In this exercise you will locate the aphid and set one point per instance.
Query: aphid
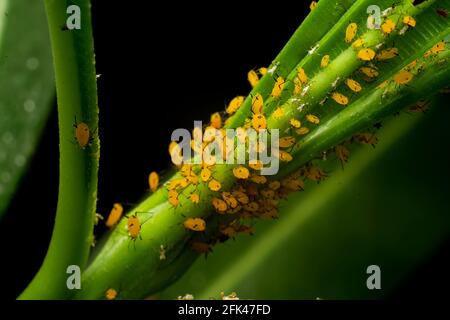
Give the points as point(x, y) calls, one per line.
point(241, 172)
point(235, 104)
point(216, 120)
point(313, 49)
point(387, 54)
point(350, 32)
point(262, 71)
point(305, 90)
point(325, 60)
point(302, 131)
point(240, 196)
point(366, 138)
point(388, 26)
point(358, 43)
point(173, 198)
point(134, 227)
point(195, 224)
point(297, 87)
point(192, 179)
point(259, 122)
point(186, 170)
point(410, 21)
point(114, 215)
point(287, 142)
point(278, 87)
point(110, 294)
point(219, 205)
point(284, 156)
point(313, 5)
point(438, 47)
point(274, 185)
point(312, 119)
point(353, 85)
point(301, 74)
point(442, 12)
point(214, 185)
point(294, 184)
point(366, 54)
point(251, 206)
point(257, 104)
point(295, 123)
point(82, 134)
point(403, 77)
point(268, 193)
point(420, 106)
point(342, 154)
point(335, 82)
point(339, 98)
point(383, 84)
point(369, 72)
point(253, 78)
point(205, 174)
point(314, 173)
point(255, 164)
point(259, 179)
point(153, 180)
point(200, 247)
point(195, 198)
point(162, 253)
point(178, 183)
point(230, 199)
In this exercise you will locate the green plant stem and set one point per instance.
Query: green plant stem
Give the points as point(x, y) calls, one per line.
point(73, 56)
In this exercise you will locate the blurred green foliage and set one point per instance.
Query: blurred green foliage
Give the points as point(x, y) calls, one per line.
point(26, 88)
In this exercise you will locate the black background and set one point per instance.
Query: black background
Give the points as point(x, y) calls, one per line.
point(161, 68)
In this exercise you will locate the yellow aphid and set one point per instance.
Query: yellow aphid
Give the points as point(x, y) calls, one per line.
point(350, 32)
point(286, 142)
point(173, 198)
point(297, 87)
point(110, 294)
point(219, 205)
point(177, 183)
point(302, 75)
point(312, 119)
point(259, 179)
point(195, 198)
point(259, 122)
point(82, 134)
point(230, 199)
point(369, 72)
point(383, 84)
point(366, 54)
point(241, 172)
point(410, 21)
point(342, 154)
point(278, 113)
point(114, 215)
point(275, 185)
point(325, 60)
point(216, 120)
point(295, 123)
point(262, 71)
point(192, 179)
point(214, 185)
point(302, 131)
point(339, 98)
point(358, 43)
point(268, 193)
point(205, 174)
point(313, 5)
point(366, 138)
point(153, 181)
point(195, 224)
point(240, 196)
point(133, 226)
point(278, 87)
point(235, 104)
point(403, 77)
point(387, 54)
point(353, 85)
point(257, 104)
point(253, 78)
point(284, 156)
point(256, 165)
point(210, 134)
point(411, 65)
point(438, 47)
point(388, 26)
point(251, 206)
point(293, 183)
point(186, 170)
point(314, 173)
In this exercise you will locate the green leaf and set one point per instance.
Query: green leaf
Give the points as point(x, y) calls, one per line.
point(26, 88)
point(375, 211)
